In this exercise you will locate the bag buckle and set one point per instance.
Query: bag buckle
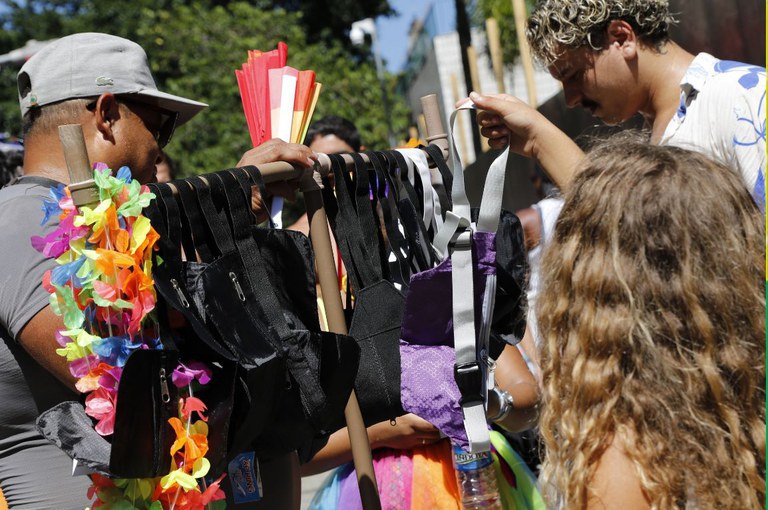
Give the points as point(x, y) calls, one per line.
point(469, 379)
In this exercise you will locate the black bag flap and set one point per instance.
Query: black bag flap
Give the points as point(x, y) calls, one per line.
point(68, 427)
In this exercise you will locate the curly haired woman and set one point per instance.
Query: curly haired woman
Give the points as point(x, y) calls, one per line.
point(652, 314)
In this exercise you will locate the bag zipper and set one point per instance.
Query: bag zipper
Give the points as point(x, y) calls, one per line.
point(165, 395)
point(238, 288)
point(179, 293)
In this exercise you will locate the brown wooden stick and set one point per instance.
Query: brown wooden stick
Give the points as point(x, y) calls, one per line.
point(497, 57)
point(81, 184)
point(518, 9)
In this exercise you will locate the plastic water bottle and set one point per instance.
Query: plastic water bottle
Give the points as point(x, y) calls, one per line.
point(477, 480)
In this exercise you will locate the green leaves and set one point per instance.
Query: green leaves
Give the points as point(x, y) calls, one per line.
point(194, 48)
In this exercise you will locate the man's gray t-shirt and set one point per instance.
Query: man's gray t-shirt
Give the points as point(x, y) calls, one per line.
point(33, 472)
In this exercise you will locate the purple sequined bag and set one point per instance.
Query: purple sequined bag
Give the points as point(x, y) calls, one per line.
point(446, 323)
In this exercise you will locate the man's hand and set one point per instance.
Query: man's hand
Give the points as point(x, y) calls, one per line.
point(269, 152)
point(278, 150)
point(505, 120)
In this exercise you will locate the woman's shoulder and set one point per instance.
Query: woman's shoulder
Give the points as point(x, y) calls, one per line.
point(616, 482)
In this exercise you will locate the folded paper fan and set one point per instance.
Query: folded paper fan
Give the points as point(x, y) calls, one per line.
point(278, 101)
point(301, 104)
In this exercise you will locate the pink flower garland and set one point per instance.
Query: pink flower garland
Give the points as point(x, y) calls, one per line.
point(103, 289)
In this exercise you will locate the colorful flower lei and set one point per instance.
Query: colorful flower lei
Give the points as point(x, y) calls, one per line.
point(103, 289)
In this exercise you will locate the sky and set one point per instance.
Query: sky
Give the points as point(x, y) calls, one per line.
point(393, 31)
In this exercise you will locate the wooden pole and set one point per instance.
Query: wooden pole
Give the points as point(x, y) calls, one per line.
point(433, 124)
point(422, 126)
point(461, 146)
point(334, 312)
point(465, 41)
point(474, 72)
point(81, 183)
point(497, 57)
point(518, 10)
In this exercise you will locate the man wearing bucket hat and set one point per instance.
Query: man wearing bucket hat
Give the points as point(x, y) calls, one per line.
point(103, 83)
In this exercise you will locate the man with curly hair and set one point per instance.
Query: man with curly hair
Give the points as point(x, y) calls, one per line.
point(615, 58)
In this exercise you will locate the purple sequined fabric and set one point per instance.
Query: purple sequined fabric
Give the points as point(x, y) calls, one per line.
point(428, 316)
point(428, 390)
point(427, 357)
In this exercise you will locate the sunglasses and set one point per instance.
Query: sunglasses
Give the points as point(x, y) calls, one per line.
point(168, 119)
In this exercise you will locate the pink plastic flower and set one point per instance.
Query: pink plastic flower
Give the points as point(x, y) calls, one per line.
point(101, 405)
point(185, 374)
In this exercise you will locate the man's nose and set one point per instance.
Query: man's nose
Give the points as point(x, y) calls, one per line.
point(573, 95)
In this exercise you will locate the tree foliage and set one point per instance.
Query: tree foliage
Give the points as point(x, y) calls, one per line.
point(330, 19)
point(194, 48)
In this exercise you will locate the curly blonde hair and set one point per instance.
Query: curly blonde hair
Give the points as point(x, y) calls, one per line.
point(652, 315)
point(558, 25)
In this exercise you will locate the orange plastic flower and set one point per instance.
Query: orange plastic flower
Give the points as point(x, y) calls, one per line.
point(194, 443)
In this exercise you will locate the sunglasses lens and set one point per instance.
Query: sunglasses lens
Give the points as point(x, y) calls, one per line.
point(167, 128)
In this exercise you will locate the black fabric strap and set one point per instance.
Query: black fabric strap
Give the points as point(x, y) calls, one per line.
point(346, 236)
point(329, 203)
point(158, 217)
point(245, 186)
point(436, 154)
point(398, 170)
point(412, 219)
point(218, 229)
point(368, 218)
point(178, 234)
point(360, 266)
point(193, 219)
point(256, 179)
point(385, 194)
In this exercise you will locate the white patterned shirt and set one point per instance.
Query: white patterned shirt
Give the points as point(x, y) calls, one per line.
point(722, 113)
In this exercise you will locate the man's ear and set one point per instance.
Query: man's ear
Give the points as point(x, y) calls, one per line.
point(621, 33)
point(106, 113)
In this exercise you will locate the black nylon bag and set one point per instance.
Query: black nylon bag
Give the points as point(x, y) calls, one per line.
point(146, 399)
point(320, 366)
point(182, 326)
point(217, 288)
point(379, 305)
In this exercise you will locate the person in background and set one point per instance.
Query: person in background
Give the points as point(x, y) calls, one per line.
point(616, 59)
point(333, 135)
point(11, 161)
point(329, 135)
point(652, 315)
point(166, 168)
point(107, 87)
